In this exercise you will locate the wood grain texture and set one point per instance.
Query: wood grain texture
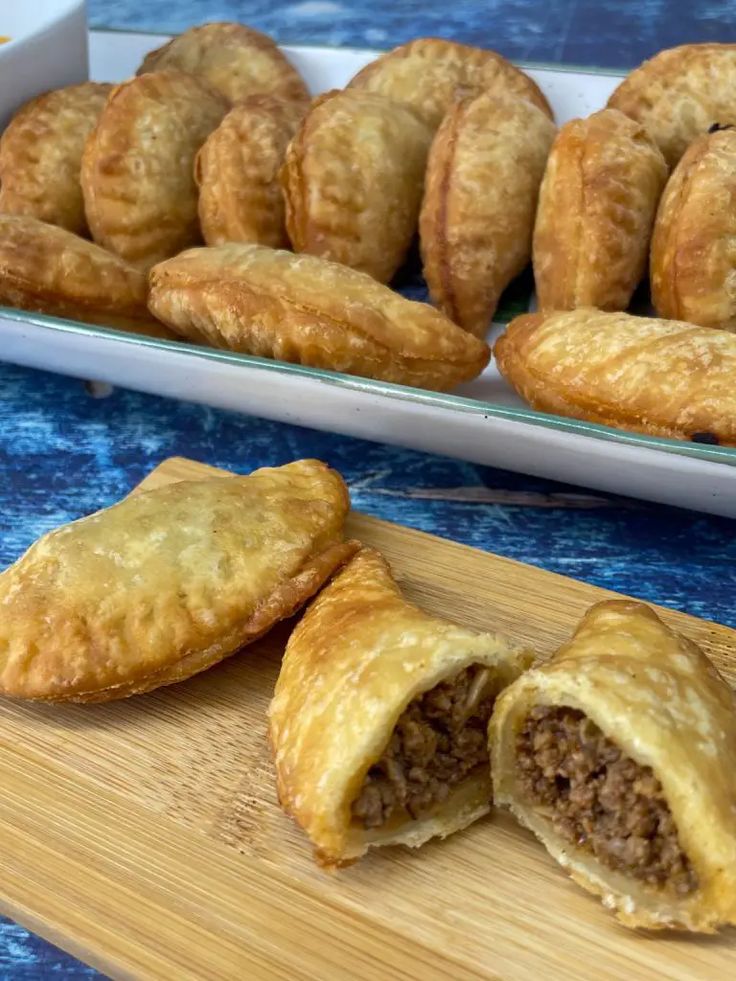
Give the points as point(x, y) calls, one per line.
point(145, 837)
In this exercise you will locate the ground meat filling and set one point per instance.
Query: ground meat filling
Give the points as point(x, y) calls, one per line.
point(600, 798)
point(438, 740)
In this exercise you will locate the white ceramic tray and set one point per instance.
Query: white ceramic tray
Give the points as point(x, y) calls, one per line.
point(483, 421)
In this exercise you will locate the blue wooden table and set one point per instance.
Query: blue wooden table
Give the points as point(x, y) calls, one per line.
point(63, 454)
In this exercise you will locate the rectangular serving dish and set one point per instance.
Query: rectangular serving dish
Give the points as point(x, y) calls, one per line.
point(483, 421)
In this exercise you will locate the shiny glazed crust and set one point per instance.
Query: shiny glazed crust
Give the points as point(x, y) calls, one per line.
point(680, 93)
point(137, 169)
point(353, 179)
point(429, 74)
point(310, 311)
point(480, 199)
point(693, 262)
point(652, 376)
point(357, 658)
point(167, 583)
point(597, 204)
point(658, 697)
point(47, 269)
point(41, 155)
point(237, 169)
point(232, 58)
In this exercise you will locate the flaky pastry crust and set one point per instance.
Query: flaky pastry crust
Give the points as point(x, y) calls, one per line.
point(480, 199)
point(41, 155)
point(680, 93)
point(693, 260)
point(357, 658)
point(237, 170)
point(596, 209)
point(429, 74)
point(353, 179)
point(47, 269)
point(659, 699)
point(137, 168)
point(661, 377)
point(234, 59)
point(302, 309)
point(168, 582)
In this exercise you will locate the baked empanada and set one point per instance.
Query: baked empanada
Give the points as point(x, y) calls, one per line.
point(45, 268)
point(137, 168)
point(168, 582)
point(482, 182)
point(310, 311)
point(237, 173)
point(596, 209)
point(651, 376)
point(41, 154)
point(233, 58)
point(693, 261)
point(379, 717)
point(429, 74)
point(618, 754)
point(353, 179)
point(680, 93)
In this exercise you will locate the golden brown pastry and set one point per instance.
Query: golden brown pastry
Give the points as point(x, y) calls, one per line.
point(310, 311)
point(596, 209)
point(618, 754)
point(137, 169)
point(168, 582)
point(41, 154)
point(353, 179)
point(693, 262)
point(429, 74)
point(237, 173)
point(45, 268)
point(482, 182)
point(650, 376)
point(680, 93)
point(233, 58)
point(379, 718)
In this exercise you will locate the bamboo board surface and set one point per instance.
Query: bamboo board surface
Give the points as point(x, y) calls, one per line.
point(144, 836)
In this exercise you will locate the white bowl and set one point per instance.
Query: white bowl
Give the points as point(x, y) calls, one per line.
point(47, 49)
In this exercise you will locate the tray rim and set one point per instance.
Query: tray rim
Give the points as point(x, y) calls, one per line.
point(441, 400)
point(547, 66)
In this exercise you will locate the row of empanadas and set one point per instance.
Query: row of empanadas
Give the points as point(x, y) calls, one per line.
point(389, 725)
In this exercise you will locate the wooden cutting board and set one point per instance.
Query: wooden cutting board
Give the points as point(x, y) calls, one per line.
point(144, 836)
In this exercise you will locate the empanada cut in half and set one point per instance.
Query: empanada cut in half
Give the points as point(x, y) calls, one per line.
point(680, 93)
point(41, 155)
point(480, 200)
point(596, 210)
point(50, 270)
point(167, 583)
point(430, 74)
point(379, 718)
point(618, 754)
point(662, 377)
point(303, 309)
point(236, 60)
point(693, 260)
point(237, 173)
point(138, 165)
point(353, 180)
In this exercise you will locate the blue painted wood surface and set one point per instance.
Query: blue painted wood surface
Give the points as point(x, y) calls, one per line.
point(63, 454)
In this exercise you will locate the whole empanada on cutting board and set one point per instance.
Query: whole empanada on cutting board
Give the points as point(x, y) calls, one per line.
point(166, 584)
